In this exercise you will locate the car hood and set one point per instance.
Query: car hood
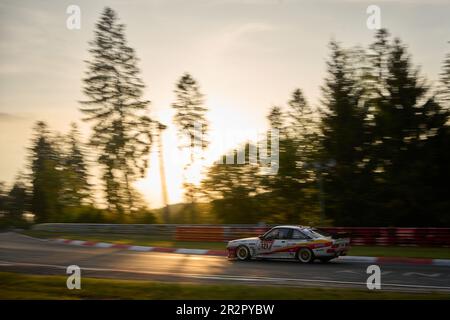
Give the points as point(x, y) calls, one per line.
point(244, 240)
point(247, 239)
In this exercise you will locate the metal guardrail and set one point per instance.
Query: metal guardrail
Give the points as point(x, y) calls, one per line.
point(379, 236)
point(161, 231)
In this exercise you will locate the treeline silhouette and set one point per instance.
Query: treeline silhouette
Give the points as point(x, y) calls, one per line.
point(377, 155)
point(375, 152)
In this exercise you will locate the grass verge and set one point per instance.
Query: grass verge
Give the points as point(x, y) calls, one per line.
point(146, 240)
point(403, 252)
point(20, 286)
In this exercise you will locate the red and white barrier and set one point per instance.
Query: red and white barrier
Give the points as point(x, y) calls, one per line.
point(141, 248)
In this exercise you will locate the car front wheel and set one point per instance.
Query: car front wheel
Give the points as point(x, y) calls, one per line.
point(242, 253)
point(305, 255)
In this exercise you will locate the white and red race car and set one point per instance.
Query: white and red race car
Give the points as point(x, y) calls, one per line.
point(290, 242)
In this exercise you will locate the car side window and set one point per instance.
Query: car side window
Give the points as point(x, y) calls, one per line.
point(283, 233)
point(272, 234)
point(280, 233)
point(297, 235)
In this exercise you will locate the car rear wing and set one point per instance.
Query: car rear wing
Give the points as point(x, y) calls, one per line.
point(336, 235)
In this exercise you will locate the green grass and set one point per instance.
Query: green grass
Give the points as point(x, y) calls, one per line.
point(20, 286)
point(404, 252)
point(146, 240)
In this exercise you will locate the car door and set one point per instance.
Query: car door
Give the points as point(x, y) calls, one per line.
point(264, 247)
point(280, 244)
point(273, 243)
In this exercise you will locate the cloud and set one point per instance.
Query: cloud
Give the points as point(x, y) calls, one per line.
point(4, 116)
point(236, 35)
point(249, 28)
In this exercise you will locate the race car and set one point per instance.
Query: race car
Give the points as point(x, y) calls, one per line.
point(305, 244)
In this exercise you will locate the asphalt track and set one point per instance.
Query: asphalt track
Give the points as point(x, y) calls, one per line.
point(19, 253)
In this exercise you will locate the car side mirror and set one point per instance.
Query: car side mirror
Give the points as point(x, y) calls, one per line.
point(261, 237)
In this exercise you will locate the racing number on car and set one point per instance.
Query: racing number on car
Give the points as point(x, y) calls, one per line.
point(266, 244)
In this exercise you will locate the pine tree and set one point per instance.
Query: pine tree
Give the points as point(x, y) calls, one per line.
point(275, 118)
point(343, 120)
point(285, 197)
point(45, 175)
point(409, 128)
point(190, 115)
point(397, 116)
point(379, 56)
point(17, 201)
point(3, 199)
point(343, 135)
point(76, 186)
point(300, 114)
point(276, 129)
point(444, 90)
point(303, 127)
point(190, 119)
point(115, 106)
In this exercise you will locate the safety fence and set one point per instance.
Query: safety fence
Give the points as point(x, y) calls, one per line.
point(216, 233)
point(359, 236)
point(438, 237)
point(156, 231)
point(378, 236)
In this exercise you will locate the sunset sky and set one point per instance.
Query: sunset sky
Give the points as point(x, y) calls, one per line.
point(247, 55)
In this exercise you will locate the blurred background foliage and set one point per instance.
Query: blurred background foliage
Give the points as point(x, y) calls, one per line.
point(376, 152)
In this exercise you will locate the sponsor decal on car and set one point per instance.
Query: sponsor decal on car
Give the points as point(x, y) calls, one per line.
point(266, 244)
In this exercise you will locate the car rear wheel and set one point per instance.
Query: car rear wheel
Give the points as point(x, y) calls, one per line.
point(305, 255)
point(325, 260)
point(242, 253)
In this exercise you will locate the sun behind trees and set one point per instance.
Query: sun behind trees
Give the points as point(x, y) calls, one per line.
point(375, 151)
point(242, 193)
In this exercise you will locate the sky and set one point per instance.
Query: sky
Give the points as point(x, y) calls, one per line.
point(247, 56)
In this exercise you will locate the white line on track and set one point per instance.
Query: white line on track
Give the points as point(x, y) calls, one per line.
point(191, 251)
point(226, 277)
point(432, 275)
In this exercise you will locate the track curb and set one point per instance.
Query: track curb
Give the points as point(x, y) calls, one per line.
point(223, 253)
point(131, 247)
